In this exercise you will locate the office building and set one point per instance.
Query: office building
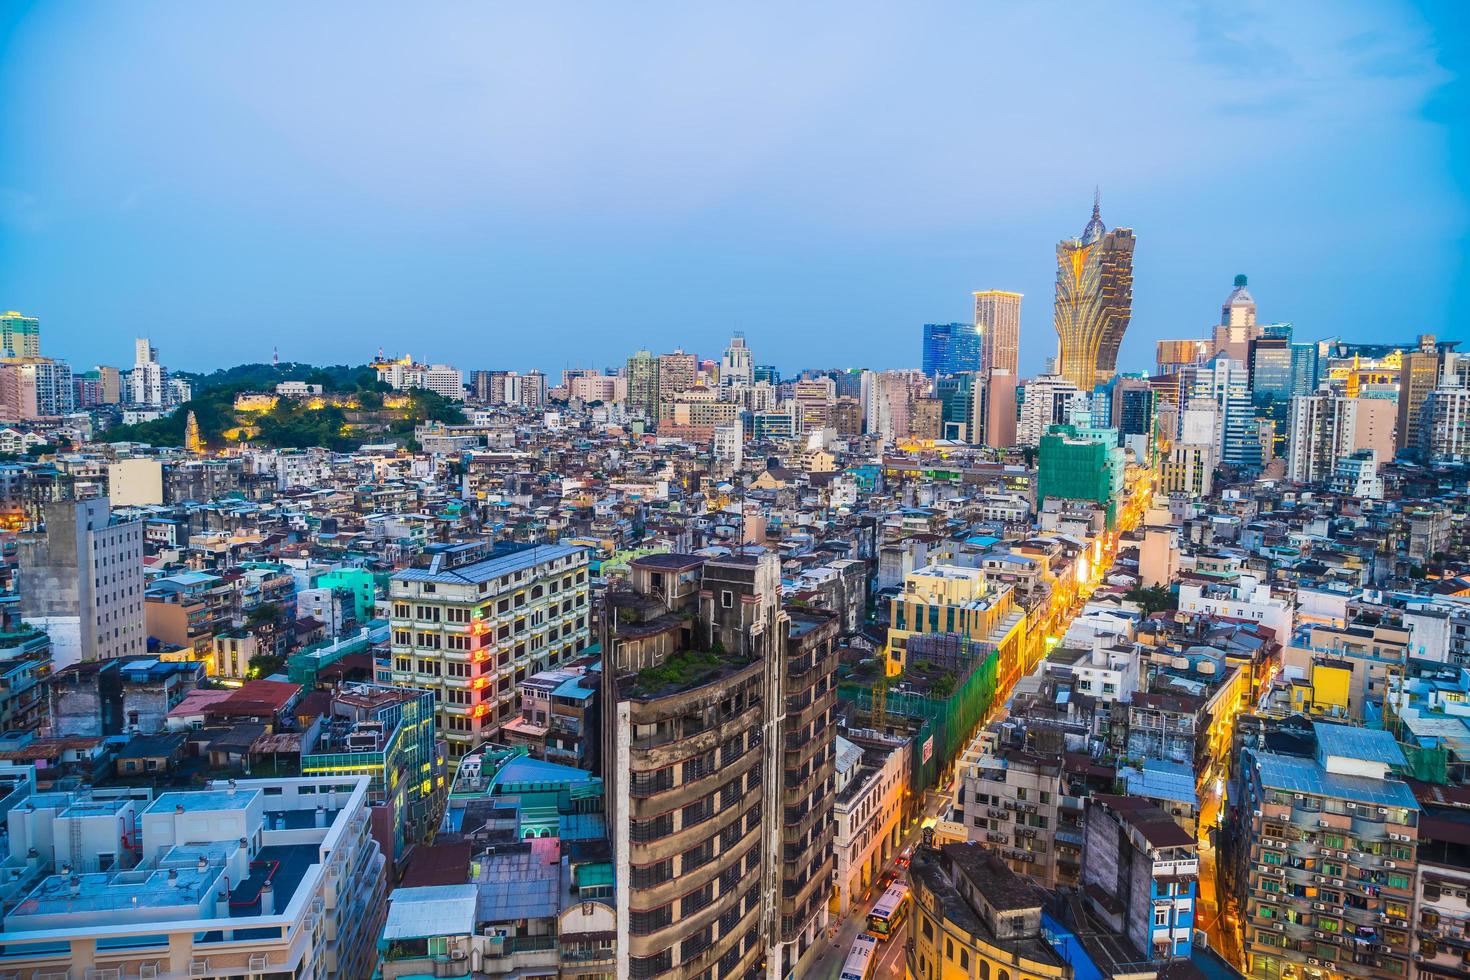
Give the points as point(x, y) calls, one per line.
point(998, 322)
point(1324, 838)
point(1232, 336)
point(388, 734)
point(720, 811)
point(260, 877)
point(82, 581)
point(1188, 469)
point(962, 406)
point(20, 336)
point(468, 623)
point(950, 348)
point(1094, 301)
point(1171, 355)
point(1000, 409)
point(643, 385)
point(445, 380)
point(1134, 414)
point(737, 366)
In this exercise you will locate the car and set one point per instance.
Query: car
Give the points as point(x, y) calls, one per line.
point(905, 856)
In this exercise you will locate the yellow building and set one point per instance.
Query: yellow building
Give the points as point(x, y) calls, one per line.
point(954, 599)
point(1325, 691)
point(976, 919)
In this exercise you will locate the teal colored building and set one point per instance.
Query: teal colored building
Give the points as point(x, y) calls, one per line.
point(358, 581)
point(1081, 464)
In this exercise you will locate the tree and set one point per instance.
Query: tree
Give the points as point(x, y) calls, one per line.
point(1154, 599)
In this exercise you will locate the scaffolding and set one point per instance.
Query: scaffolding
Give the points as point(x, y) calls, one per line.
point(945, 724)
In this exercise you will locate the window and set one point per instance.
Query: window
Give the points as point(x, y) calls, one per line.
point(727, 599)
point(928, 929)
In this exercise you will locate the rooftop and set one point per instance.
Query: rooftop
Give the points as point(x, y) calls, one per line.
point(491, 568)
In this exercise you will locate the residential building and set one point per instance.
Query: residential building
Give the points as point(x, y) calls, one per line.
point(720, 813)
point(1444, 432)
point(20, 335)
point(443, 379)
point(643, 385)
point(1323, 428)
point(265, 877)
point(469, 624)
point(1323, 850)
point(1046, 400)
point(35, 388)
point(1141, 874)
point(1094, 301)
point(998, 322)
point(147, 381)
point(187, 610)
point(1012, 800)
point(82, 581)
point(1000, 409)
point(1081, 464)
point(974, 917)
point(872, 779)
point(1188, 470)
point(1419, 374)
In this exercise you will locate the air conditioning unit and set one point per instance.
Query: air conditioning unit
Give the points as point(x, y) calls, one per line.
point(1324, 823)
point(1300, 796)
point(1342, 854)
point(1319, 907)
point(1352, 806)
point(1383, 811)
point(1312, 961)
point(1337, 882)
point(1389, 864)
point(1319, 935)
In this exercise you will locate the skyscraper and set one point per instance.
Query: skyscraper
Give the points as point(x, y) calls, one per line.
point(1418, 376)
point(737, 366)
point(950, 348)
point(1237, 326)
point(998, 322)
point(1094, 300)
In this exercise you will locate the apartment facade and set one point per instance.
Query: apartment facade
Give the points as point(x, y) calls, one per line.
point(469, 624)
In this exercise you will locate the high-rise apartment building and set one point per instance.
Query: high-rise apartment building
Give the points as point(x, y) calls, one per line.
point(950, 348)
point(643, 385)
point(1094, 301)
point(720, 741)
point(998, 322)
point(82, 581)
point(20, 336)
point(35, 387)
point(676, 372)
point(469, 624)
point(962, 406)
point(1046, 400)
point(1324, 839)
point(1418, 376)
point(488, 386)
point(1188, 470)
point(1323, 428)
point(737, 366)
point(1444, 430)
point(445, 380)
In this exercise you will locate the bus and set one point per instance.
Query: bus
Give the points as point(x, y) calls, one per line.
point(862, 960)
point(888, 915)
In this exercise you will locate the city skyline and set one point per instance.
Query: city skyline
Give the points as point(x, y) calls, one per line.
point(497, 236)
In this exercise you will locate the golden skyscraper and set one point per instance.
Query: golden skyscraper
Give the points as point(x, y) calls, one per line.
point(1094, 300)
point(998, 321)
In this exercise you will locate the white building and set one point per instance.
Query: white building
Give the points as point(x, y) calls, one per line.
point(146, 379)
point(1357, 475)
point(1249, 598)
point(1047, 400)
point(442, 379)
point(261, 878)
point(1446, 429)
point(729, 443)
point(872, 773)
point(82, 581)
point(737, 367)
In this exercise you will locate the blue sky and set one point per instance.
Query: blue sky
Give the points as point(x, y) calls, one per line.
point(543, 185)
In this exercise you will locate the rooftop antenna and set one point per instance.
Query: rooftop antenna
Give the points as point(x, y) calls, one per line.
point(1096, 201)
point(275, 357)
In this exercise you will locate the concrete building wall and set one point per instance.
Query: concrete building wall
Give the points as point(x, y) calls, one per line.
point(135, 482)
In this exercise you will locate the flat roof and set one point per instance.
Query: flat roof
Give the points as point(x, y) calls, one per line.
point(431, 910)
point(529, 874)
point(204, 799)
point(1307, 776)
point(1367, 744)
point(492, 568)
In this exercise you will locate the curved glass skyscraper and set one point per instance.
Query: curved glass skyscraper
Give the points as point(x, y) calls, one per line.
point(1094, 301)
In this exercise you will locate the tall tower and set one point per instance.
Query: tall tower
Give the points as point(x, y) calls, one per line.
point(1237, 326)
point(1094, 300)
point(737, 367)
point(998, 321)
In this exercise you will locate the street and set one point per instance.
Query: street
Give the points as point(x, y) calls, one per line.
point(1210, 917)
